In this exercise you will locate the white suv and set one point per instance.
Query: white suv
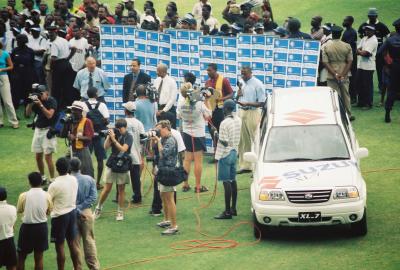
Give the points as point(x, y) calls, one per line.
point(306, 163)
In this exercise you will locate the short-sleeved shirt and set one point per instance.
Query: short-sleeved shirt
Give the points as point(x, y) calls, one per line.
point(226, 86)
point(60, 48)
point(63, 191)
point(3, 61)
point(102, 107)
point(350, 36)
point(38, 44)
point(370, 45)
point(8, 216)
point(135, 128)
point(192, 116)
point(78, 59)
point(229, 131)
point(381, 31)
point(35, 205)
point(41, 120)
point(337, 53)
point(122, 139)
point(146, 113)
point(99, 78)
point(253, 91)
point(179, 140)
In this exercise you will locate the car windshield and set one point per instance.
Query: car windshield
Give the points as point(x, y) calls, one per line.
point(305, 143)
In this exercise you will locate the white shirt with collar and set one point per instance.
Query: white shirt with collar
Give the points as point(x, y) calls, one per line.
point(63, 193)
point(60, 48)
point(38, 44)
point(168, 92)
point(370, 45)
point(35, 205)
point(8, 216)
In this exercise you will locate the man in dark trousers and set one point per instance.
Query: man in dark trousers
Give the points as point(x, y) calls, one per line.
point(350, 37)
point(391, 47)
point(381, 32)
point(132, 80)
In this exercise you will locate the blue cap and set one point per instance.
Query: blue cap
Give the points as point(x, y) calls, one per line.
point(229, 105)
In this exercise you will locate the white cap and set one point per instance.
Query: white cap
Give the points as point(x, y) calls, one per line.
point(129, 106)
point(79, 105)
point(149, 18)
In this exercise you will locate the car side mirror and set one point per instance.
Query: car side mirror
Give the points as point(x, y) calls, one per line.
point(361, 153)
point(250, 157)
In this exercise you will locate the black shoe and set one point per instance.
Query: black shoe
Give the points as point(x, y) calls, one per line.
point(224, 215)
point(352, 118)
point(233, 212)
point(115, 200)
point(155, 213)
point(366, 108)
point(243, 171)
point(136, 201)
point(387, 117)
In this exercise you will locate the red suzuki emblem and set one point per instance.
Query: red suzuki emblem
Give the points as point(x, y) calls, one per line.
point(304, 116)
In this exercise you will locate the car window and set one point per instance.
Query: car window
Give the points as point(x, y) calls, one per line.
point(301, 143)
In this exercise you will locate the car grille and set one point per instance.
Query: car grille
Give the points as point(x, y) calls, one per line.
point(309, 196)
point(322, 219)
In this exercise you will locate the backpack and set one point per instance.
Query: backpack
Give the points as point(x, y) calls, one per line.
point(96, 117)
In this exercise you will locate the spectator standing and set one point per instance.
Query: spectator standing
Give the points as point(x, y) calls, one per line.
point(89, 77)
point(316, 31)
point(350, 37)
point(135, 128)
point(5, 91)
point(118, 13)
point(381, 33)
point(39, 45)
point(269, 24)
point(238, 14)
point(167, 95)
point(207, 19)
point(366, 66)
point(119, 143)
point(131, 80)
point(98, 113)
point(86, 197)
point(226, 154)
point(43, 142)
point(337, 58)
point(391, 48)
point(34, 205)
point(8, 217)
point(251, 96)
point(198, 8)
point(293, 28)
point(63, 192)
point(193, 115)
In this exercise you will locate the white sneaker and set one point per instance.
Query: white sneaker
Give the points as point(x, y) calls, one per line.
point(97, 213)
point(164, 224)
point(170, 231)
point(120, 216)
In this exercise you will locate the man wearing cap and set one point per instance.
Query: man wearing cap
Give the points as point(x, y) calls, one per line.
point(207, 19)
point(366, 52)
point(8, 217)
point(293, 27)
point(350, 37)
point(226, 154)
point(381, 32)
point(259, 29)
point(60, 54)
point(43, 142)
point(316, 31)
point(251, 95)
point(133, 79)
point(80, 133)
point(391, 48)
point(39, 45)
point(135, 128)
point(280, 31)
point(167, 94)
point(337, 58)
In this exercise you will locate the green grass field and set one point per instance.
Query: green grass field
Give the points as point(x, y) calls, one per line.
point(137, 238)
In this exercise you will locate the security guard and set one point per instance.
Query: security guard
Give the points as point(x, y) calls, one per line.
point(391, 47)
point(337, 58)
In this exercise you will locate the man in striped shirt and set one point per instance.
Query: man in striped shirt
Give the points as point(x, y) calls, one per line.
point(34, 205)
point(226, 154)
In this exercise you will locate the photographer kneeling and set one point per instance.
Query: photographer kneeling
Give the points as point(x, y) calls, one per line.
point(43, 142)
point(118, 165)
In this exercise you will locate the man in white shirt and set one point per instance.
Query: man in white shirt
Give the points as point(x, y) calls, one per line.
point(135, 128)
point(167, 94)
point(366, 52)
point(198, 8)
point(81, 47)
point(207, 19)
point(63, 192)
point(39, 45)
point(34, 205)
point(8, 216)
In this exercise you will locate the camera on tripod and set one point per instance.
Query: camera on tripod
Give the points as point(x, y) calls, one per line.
point(199, 94)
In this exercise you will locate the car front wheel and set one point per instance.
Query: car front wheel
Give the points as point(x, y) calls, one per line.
point(360, 228)
point(261, 231)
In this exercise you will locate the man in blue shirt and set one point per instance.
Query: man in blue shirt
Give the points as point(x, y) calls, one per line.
point(91, 76)
point(251, 94)
point(145, 109)
point(86, 197)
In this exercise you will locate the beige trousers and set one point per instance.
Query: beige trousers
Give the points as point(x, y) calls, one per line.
point(85, 228)
point(250, 121)
point(343, 92)
point(5, 95)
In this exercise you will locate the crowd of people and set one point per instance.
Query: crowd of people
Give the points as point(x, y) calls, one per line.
point(50, 64)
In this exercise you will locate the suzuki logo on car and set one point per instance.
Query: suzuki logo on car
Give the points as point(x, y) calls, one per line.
point(308, 196)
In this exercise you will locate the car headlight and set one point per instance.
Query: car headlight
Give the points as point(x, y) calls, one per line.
point(271, 195)
point(345, 193)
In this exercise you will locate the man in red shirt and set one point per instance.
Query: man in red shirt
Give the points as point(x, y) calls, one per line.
point(223, 90)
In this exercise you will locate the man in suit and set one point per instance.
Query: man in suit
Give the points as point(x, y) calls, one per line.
point(132, 80)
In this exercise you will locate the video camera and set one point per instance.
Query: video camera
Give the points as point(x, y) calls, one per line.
point(106, 132)
point(35, 95)
point(199, 94)
point(149, 134)
point(151, 92)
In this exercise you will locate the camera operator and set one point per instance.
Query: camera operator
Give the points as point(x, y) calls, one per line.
point(145, 109)
point(98, 113)
point(167, 92)
point(193, 114)
point(44, 106)
point(222, 92)
point(120, 142)
point(80, 133)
